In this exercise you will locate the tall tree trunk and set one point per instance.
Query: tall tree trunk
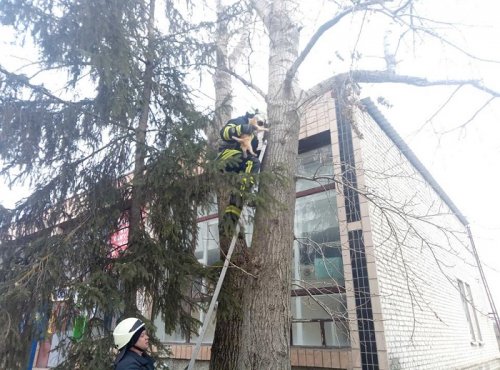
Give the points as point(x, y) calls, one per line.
point(221, 79)
point(227, 337)
point(137, 203)
point(265, 338)
point(225, 346)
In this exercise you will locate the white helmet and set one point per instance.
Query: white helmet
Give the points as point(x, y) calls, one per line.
point(125, 330)
point(253, 111)
point(260, 117)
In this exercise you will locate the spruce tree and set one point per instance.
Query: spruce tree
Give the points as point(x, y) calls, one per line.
point(126, 154)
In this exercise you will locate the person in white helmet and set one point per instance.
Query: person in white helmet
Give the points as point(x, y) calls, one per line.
point(132, 341)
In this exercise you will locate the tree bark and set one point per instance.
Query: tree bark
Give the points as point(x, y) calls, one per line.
point(225, 346)
point(227, 337)
point(265, 338)
point(221, 79)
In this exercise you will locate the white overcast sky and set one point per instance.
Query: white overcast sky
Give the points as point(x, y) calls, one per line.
point(463, 161)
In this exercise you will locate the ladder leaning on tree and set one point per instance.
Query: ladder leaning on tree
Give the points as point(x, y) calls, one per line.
point(213, 302)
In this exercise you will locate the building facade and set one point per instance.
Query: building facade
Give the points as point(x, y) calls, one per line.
point(384, 275)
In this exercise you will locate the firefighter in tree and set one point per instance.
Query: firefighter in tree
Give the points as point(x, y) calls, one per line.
point(239, 149)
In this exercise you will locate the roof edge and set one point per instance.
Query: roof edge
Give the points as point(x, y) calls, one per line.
point(389, 130)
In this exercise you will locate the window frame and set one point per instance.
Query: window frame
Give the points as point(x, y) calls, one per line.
point(470, 312)
point(305, 145)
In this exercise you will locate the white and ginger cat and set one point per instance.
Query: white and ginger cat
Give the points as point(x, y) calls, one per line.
point(246, 140)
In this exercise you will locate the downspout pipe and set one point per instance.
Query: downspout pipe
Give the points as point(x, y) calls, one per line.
point(483, 278)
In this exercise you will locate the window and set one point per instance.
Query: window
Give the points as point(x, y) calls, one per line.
point(318, 293)
point(200, 315)
point(322, 321)
point(207, 252)
point(470, 311)
point(315, 164)
point(318, 256)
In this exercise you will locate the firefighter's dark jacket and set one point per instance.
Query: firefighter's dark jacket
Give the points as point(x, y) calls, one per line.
point(237, 127)
point(134, 361)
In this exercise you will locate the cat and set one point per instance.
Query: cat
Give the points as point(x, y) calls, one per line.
point(246, 140)
point(245, 144)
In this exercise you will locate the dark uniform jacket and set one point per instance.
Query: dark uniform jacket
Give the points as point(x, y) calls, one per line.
point(237, 127)
point(133, 361)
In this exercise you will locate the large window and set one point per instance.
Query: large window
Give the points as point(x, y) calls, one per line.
point(470, 311)
point(318, 293)
point(319, 320)
point(317, 253)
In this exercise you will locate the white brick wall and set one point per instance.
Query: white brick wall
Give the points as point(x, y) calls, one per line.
point(420, 250)
point(318, 117)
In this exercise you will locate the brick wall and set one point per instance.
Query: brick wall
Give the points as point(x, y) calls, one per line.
point(311, 358)
point(318, 118)
point(420, 250)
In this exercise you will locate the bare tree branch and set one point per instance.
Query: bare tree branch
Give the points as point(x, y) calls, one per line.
point(456, 47)
point(426, 30)
point(321, 30)
point(371, 76)
point(242, 43)
point(472, 117)
point(442, 105)
point(244, 81)
point(260, 7)
point(24, 80)
point(402, 7)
